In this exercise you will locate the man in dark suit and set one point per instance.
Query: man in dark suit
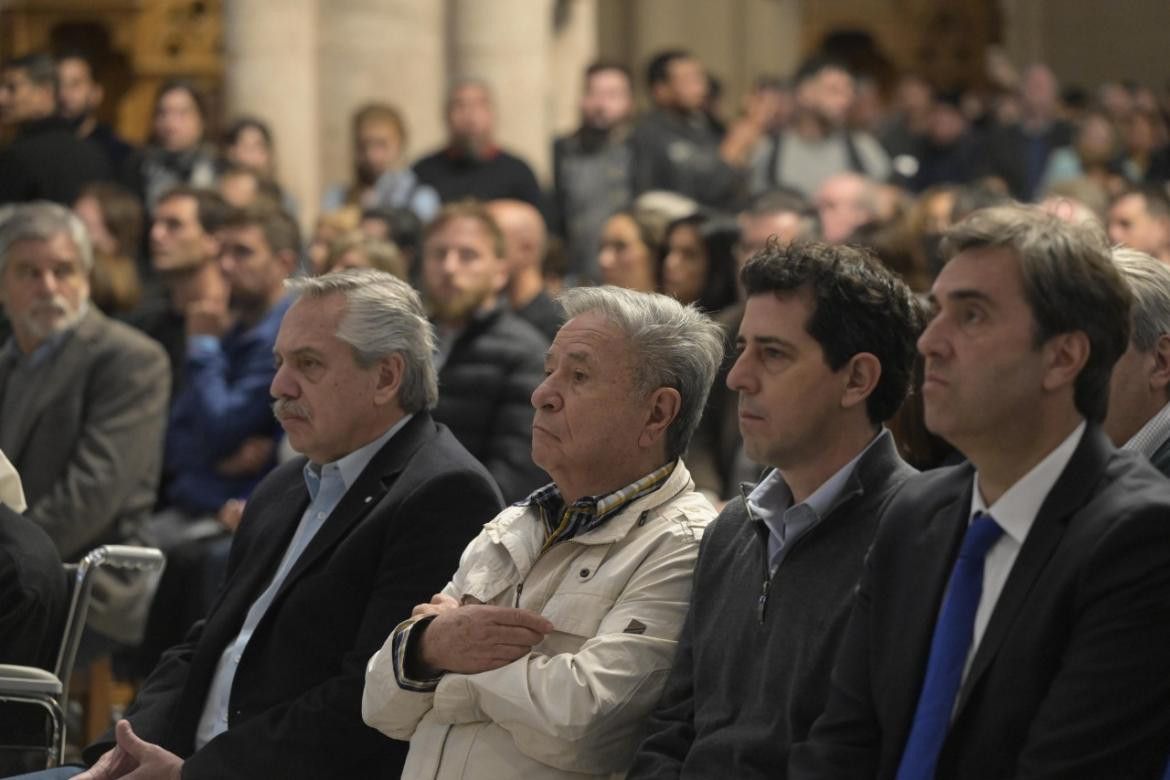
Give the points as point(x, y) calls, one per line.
point(1014, 613)
point(333, 550)
point(825, 354)
point(82, 398)
point(1139, 391)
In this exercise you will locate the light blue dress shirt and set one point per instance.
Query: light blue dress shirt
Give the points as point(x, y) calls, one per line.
point(771, 502)
point(327, 485)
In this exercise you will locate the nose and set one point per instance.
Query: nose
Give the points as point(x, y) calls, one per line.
point(46, 283)
point(740, 377)
point(283, 385)
point(546, 396)
point(606, 257)
point(932, 341)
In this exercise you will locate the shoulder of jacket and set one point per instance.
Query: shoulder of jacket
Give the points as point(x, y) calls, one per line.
point(686, 516)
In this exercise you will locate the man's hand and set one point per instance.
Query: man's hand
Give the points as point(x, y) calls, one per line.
point(230, 513)
point(439, 603)
point(249, 458)
point(134, 759)
point(209, 317)
point(478, 638)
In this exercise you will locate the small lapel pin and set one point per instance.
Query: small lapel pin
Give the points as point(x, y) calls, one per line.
point(369, 499)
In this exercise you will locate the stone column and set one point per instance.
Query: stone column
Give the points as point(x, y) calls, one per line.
point(270, 53)
point(508, 43)
point(383, 50)
point(574, 48)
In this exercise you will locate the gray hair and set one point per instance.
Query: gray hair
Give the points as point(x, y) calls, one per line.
point(43, 221)
point(1149, 280)
point(383, 315)
point(672, 346)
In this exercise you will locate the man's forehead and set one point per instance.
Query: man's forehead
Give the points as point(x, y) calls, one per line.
point(56, 248)
point(459, 230)
point(589, 336)
point(992, 272)
point(181, 206)
point(311, 323)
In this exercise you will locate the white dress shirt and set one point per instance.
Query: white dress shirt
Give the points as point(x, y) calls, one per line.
point(1015, 512)
point(327, 486)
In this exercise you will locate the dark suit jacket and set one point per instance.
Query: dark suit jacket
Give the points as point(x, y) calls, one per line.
point(746, 685)
point(1070, 678)
point(34, 593)
point(88, 443)
point(295, 706)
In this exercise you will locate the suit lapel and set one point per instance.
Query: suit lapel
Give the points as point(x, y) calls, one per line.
point(59, 374)
point(1070, 492)
point(936, 549)
point(365, 494)
point(270, 536)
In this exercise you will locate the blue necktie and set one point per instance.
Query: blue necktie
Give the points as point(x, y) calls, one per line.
point(948, 652)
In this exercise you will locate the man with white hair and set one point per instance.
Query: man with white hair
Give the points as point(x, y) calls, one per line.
point(544, 654)
point(1139, 389)
point(83, 399)
point(332, 550)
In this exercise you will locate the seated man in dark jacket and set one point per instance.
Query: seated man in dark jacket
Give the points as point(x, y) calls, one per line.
point(752, 669)
point(333, 551)
point(489, 360)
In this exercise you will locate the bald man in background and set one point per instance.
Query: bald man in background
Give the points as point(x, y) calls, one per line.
point(525, 236)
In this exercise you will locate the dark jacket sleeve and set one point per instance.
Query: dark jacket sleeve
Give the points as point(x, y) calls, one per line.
point(671, 729)
point(232, 405)
point(320, 734)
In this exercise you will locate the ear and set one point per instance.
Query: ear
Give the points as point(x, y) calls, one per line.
point(500, 275)
point(862, 374)
point(665, 403)
point(211, 246)
point(288, 262)
point(389, 380)
point(99, 94)
point(1064, 356)
point(1160, 373)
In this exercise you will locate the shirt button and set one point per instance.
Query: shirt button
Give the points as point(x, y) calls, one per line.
point(320, 515)
point(236, 658)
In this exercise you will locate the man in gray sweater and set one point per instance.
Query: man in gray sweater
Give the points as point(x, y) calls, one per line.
point(825, 355)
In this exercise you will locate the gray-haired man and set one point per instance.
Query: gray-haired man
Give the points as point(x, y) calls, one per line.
point(549, 647)
point(1139, 389)
point(332, 550)
point(82, 398)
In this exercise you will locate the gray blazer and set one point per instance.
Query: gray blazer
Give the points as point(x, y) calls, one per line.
point(87, 443)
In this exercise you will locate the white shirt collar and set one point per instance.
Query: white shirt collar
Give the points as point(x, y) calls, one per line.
point(1016, 509)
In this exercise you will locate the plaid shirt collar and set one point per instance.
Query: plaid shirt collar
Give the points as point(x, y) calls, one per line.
point(589, 512)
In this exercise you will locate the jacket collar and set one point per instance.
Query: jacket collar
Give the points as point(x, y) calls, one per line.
point(1071, 492)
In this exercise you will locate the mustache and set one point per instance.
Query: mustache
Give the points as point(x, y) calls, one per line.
point(283, 407)
point(55, 305)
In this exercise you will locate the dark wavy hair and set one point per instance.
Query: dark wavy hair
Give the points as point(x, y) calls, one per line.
point(859, 306)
